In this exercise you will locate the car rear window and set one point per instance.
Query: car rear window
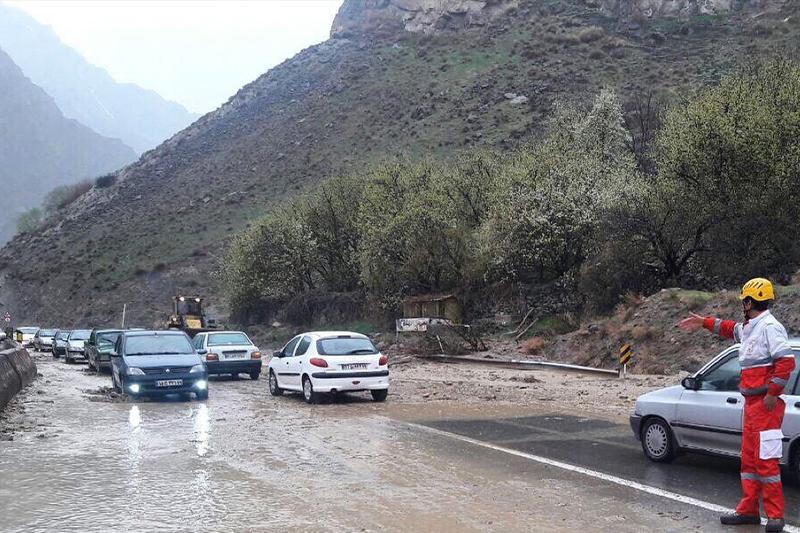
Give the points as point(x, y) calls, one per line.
point(107, 338)
point(80, 335)
point(346, 346)
point(227, 339)
point(28, 330)
point(157, 344)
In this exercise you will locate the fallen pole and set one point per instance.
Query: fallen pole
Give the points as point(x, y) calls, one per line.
point(520, 364)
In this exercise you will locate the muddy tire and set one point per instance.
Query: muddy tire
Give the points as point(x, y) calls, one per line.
point(274, 389)
point(309, 395)
point(202, 395)
point(658, 441)
point(255, 374)
point(379, 395)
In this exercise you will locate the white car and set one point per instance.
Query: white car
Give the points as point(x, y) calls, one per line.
point(228, 352)
point(329, 362)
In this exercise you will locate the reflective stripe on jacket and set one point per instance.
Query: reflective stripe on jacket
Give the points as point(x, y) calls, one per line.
point(764, 346)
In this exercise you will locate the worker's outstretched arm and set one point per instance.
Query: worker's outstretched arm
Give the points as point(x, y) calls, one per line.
point(730, 329)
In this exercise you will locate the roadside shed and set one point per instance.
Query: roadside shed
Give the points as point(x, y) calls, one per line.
point(446, 306)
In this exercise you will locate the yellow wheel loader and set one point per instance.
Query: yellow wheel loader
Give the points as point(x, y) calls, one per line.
point(187, 315)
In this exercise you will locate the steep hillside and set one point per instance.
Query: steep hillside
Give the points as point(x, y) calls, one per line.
point(40, 149)
point(141, 118)
point(360, 97)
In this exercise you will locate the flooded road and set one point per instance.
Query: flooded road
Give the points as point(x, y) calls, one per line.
point(245, 461)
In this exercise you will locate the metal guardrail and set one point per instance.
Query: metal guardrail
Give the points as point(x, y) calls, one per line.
point(521, 364)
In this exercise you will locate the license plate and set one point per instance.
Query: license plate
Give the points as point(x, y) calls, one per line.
point(355, 366)
point(169, 383)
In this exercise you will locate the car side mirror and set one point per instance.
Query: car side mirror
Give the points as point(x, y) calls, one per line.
point(278, 354)
point(113, 353)
point(691, 383)
point(201, 351)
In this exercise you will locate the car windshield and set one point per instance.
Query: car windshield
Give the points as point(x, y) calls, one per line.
point(346, 346)
point(28, 330)
point(79, 335)
point(63, 335)
point(107, 340)
point(227, 339)
point(157, 344)
point(46, 332)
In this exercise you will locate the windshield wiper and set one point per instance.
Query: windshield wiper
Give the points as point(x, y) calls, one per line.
point(360, 350)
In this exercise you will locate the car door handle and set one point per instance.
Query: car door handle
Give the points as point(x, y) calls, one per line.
point(734, 400)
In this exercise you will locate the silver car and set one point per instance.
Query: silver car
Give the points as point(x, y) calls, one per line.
point(75, 348)
point(704, 413)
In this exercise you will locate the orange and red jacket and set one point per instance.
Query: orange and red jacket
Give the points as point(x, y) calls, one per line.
point(764, 355)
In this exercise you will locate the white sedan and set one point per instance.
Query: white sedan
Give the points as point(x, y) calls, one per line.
point(329, 362)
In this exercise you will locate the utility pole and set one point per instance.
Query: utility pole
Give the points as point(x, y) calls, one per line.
point(124, 308)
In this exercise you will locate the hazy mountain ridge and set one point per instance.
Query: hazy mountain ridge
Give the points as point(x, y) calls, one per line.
point(139, 117)
point(337, 107)
point(41, 149)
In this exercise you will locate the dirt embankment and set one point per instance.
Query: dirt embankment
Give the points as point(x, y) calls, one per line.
point(649, 325)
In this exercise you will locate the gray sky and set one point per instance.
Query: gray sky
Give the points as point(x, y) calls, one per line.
point(194, 52)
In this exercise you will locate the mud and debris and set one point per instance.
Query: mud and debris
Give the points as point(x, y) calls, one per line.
point(246, 461)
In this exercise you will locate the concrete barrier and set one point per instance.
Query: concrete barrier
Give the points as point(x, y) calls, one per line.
point(17, 370)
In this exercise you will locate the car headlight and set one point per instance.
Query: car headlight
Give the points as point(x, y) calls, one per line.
point(197, 368)
point(133, 371)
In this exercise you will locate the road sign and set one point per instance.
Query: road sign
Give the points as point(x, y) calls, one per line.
point(7, 317)
point(625, 354)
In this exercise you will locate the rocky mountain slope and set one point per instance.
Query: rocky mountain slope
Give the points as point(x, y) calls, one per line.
point(360, 97)
point(141, 118)
point(41, 149)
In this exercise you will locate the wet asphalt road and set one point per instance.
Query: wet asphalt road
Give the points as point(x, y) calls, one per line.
point(610, 448)
point(244, 461)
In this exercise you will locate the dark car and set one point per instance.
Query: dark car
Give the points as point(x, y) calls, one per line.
point(60, 342)
point(147, 363)
point(99, 347)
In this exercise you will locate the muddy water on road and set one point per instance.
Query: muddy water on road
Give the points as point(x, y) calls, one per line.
point(244, 461)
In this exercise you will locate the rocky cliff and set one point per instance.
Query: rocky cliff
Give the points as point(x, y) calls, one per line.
point(639, 10)
point(164, 224)
point(419, 16)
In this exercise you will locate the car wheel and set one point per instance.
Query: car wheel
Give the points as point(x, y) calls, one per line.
point(114, 383)
point(658, 442)
point(202, 395)
point(67, 360)
point(379, 395)
point(254, 374)
point(55, 354)
point(308, 391)
point(274, 389)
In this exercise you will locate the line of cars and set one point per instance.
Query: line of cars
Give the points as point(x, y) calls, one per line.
point(150, 362)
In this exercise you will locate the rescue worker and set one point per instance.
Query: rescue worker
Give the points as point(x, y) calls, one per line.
point(766, 361)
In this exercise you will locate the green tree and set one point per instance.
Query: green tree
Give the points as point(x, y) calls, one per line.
point(268, 263)
point(30, 220)
point(552, 196)
point(731, 159)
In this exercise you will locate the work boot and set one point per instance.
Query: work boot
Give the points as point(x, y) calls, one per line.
point(774, 525)
point(735, 519)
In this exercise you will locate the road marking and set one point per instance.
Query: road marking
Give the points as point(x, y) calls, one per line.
point(655, 491)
